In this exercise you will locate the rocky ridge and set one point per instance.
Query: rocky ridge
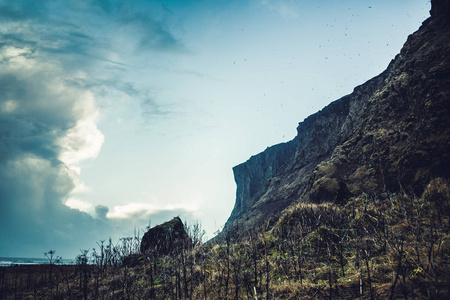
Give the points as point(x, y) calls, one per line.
point(390, 134)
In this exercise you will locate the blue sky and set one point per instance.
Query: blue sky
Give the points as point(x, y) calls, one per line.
point(119, 114)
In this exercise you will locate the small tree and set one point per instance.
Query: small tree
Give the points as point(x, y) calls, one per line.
point(50, 257)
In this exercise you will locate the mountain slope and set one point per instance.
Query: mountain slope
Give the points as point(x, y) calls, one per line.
point(391, 134)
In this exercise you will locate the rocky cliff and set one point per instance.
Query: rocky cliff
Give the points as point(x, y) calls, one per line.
point(252, 176)
point(390, 134)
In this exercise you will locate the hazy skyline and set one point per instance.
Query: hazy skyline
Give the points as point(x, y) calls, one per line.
point(117, 113)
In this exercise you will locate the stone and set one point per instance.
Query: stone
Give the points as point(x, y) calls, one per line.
point(166, 239)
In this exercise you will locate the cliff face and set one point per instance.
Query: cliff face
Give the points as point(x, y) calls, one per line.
point(392, 133)
point(252, 175)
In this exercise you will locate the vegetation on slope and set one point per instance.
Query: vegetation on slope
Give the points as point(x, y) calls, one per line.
point(396, 247)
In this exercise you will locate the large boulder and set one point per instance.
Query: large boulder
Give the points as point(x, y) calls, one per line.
point(166, 239)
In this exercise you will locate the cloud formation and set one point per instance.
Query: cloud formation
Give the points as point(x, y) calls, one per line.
point(49, 114)
point(142, 211)
point(47, 128)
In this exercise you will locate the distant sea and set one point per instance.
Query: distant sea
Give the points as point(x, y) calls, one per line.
point(11, 261)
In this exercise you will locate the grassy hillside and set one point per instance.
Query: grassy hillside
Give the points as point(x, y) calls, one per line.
point(395, 247)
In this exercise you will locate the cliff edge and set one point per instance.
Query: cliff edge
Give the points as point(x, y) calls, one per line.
point(390, 134)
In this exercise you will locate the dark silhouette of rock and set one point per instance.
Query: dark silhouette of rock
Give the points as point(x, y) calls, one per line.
point(440, 10)
point(390, 134)
point(165, 239)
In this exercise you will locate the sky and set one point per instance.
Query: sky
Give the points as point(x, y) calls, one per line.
point(117, 115)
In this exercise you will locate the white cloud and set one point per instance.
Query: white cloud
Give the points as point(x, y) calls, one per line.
point(141, 210)
point(17, 58)
point(9, 52)
point(9, 106)
point(83, 141)
point(81, 205)
point(132, 210)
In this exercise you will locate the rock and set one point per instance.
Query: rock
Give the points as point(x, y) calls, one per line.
point(252, 176)
point(390, 134)
point(166, 239)
point(440, 9)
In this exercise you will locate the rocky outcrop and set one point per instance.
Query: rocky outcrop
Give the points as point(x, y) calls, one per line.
point(252, 175)
point(165, 239)
point(272, 180)
point(392, 133)
point(440, 10)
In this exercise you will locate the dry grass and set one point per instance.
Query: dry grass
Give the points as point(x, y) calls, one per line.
point(394, 247)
